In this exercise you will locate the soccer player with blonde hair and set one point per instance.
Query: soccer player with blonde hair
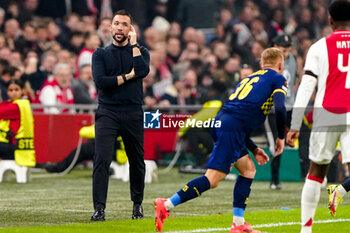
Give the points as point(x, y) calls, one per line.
point(244, 111)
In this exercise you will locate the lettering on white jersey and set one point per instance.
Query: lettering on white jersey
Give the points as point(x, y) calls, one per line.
point(343, 44)
point(346, 69)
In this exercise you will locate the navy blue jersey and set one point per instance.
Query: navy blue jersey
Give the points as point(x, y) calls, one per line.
point(252, 98)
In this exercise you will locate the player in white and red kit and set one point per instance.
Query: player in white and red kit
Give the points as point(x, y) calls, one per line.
point(327, 66)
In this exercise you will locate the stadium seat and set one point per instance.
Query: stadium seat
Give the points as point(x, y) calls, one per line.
point(151, 171)
point(121, 171)
point(22, 172)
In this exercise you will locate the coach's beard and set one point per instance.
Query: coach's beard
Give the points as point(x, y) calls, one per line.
point(121, 40)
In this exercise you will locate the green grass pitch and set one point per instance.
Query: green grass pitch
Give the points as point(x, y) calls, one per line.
point(64, 204)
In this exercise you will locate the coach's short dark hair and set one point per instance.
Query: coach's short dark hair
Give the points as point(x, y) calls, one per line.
point(124, 12)
point(339, 10)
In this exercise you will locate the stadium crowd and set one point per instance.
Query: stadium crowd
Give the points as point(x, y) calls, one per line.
point(193, 44)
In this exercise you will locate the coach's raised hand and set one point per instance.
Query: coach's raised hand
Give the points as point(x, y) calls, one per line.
point(132, 36)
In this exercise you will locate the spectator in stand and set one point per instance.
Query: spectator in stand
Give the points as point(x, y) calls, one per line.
point(173, 48)
point(245, 71)
point(11, 72)
point(244, 36)
point(162, 69)
point(230, 73)
point(54, 46)
point(211, 64)
point(189, 35)
point(27, 9)
point(58, 91)
point(57, 34)
point(258, 30)
point(92, 42)
point(191, 81)
point(2, 19)
point(191, 52)
point(257, 49)
point(76, 42)
point(174, 30)
point(28, 39)
point(83, 87)
point(40, 75)
point(64, 56)
point(4, 83)
point(16, 58)
point(5, 53)
point(103, 32)
point(221, 51)
point(320, 19)
point(42, 37)
point(71, 24)
point(88, 23)
point(3, 41)
point(200, 39)
point(151, 37)
point(275, 27)
point(175, 94)
point(225, 18)
point(219, 36)
point(12, 31)
point(12, 11)
point(3, 64)
point(306, 22)
point(148, 95)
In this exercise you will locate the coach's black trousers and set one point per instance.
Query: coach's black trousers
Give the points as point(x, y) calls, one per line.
point(108, 125)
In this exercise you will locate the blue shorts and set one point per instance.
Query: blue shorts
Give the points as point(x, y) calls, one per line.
point(229, 141)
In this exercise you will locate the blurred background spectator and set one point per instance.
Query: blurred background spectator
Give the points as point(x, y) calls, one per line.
point(57, 91)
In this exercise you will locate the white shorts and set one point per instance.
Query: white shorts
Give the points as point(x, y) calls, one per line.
point(323, 143)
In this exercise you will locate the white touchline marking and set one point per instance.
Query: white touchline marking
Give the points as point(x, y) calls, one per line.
point(262, 226)
point(45, 209)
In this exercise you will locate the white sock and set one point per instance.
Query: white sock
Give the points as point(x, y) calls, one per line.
point(342, 190)
point(168, 204)
point(309, 200)
point(238, 221)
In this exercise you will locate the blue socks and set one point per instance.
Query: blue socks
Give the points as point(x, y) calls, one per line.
point(346, 185)
point(240, 195)
point(192, 189)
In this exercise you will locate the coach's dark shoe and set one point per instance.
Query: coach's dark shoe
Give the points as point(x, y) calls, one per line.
point(99, 215)
point(137, 211)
